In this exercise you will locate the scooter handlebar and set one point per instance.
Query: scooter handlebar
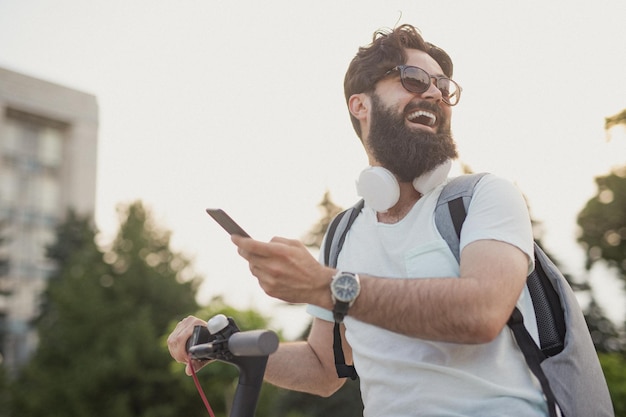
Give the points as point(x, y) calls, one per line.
point(248, 351)
point(253, 343)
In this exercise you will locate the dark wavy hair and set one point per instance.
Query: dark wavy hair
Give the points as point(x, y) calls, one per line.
point(387, 50)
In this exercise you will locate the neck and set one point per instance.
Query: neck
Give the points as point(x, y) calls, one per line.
point(408, 197)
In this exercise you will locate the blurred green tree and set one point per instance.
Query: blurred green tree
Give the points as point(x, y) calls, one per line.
point(101, 350)
point(313, 238)
point(614, 367)
point(603, 223)
point(603, 236)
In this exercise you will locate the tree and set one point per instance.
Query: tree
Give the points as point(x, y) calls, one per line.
point(603, 235)
point(614, 367)
point(101, 348)
point(615, 120)
point(603, 222)
point(314, 237)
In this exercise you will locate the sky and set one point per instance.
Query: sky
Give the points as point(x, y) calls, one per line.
point(240, 105)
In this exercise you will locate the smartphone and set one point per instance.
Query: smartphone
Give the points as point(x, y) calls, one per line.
point(226, 222)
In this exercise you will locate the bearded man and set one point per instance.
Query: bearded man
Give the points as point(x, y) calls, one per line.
point(427, 334)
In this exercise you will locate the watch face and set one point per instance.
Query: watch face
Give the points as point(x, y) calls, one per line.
point(345, 288)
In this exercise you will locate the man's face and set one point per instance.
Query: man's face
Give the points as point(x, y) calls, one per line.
point(409, 133)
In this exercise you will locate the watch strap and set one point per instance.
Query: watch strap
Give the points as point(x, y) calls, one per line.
point(340, 310)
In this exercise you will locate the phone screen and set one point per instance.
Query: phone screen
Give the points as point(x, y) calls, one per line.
point(226, 222)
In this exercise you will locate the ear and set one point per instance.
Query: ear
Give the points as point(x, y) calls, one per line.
point(358, 104)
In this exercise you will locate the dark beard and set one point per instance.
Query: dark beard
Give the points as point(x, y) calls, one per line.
point(408, 153)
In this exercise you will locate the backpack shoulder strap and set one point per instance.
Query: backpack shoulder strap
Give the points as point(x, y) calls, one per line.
point(337, 231)
point(452, 207)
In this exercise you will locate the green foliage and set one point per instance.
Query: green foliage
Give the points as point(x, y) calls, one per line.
point(607, 337)
point(139, 259)
point(614, 367)
point(314, 237)
point(5, 392)
point(103, 329)
point(101, 350)
point(344, 403)
point(603, 222)
point(603, 235)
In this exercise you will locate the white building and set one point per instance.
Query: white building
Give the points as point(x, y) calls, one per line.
point(48, 147)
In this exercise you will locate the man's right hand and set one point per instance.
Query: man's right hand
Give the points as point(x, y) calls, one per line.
point(177, 343)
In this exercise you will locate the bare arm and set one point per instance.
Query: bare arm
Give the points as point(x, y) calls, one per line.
point(300, 366)
point(308, 366)
point(471, 309)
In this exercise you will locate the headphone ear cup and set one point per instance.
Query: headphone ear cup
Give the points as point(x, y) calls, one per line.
point(431, 179)
point(379, 188)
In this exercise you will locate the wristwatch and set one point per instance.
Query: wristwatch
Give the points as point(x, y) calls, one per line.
point(345, 288)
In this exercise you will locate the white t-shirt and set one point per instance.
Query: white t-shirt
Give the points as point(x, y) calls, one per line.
point(403, 376)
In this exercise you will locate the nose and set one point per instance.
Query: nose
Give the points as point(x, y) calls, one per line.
point(433, 92)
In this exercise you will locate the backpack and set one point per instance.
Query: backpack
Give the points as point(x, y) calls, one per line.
point(566, 363)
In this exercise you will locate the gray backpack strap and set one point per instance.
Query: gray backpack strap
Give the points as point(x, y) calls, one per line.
point(457, 192)
point(337, 231)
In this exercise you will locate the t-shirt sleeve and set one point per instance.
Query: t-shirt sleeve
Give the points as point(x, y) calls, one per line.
point(498, 211)
point(320, 313)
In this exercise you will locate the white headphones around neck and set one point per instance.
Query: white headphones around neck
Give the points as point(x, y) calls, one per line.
point(381, 191)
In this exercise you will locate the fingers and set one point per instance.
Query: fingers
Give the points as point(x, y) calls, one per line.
point(177, 343)
point(285, 241)
point(249, 247)
point(264, 258)
point(177, 340)
point(285, 269)
point(197, 365)
point(276, 247)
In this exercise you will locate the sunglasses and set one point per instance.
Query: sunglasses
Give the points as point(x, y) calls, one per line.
point(416, 80)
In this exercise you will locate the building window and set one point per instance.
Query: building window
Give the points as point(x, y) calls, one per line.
point(31, 150)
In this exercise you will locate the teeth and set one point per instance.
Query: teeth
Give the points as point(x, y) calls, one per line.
point(430, 117)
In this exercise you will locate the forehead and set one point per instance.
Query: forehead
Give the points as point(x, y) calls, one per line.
point(417, 58)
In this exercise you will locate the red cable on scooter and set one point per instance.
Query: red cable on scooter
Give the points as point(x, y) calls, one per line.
point(200, 390)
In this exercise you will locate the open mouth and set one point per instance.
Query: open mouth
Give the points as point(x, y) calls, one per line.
point(422, 117)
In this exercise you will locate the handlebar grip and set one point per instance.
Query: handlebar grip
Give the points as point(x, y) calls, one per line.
point(253, 343)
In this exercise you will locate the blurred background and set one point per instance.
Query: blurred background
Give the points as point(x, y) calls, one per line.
point(192, 104)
